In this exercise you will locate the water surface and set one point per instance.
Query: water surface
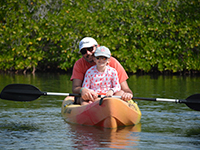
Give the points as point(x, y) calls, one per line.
point(39, 125)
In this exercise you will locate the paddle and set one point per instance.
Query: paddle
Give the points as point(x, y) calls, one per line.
point(192, 101)
point(27, 92)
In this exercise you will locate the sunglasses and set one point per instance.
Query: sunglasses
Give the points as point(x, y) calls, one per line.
point(84, 50)
point(101, 57)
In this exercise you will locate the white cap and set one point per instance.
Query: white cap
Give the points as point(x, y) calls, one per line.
point(87, 42)
point(102, 51)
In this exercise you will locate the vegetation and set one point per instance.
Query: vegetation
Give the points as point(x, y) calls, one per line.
point(145, 36)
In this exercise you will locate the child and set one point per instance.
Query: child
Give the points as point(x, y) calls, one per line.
point(102, 78)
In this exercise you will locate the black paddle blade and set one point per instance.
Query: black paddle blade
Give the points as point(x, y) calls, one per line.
point(193, 102)
point(21, 92)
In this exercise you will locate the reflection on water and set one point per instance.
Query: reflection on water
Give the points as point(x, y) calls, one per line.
point(45, 82)
point(18, 126)
point(38, 124)
point(93, 137)
point(179, 87)
point(194, 132)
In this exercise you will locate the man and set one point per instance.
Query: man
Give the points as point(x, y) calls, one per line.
point(87, 47)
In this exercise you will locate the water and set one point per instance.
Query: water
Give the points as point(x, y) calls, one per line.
point(39, 125)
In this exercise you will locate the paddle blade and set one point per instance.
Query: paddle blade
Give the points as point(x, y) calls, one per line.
point(193, 102)
point(21, 92)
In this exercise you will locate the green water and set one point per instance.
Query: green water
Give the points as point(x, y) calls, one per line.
point(39, 125)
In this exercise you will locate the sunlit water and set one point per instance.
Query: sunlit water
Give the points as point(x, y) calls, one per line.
point(39, 125)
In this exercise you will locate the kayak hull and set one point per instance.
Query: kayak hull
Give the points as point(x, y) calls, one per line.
point(112, 113)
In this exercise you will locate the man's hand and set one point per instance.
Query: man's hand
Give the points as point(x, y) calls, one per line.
point(126, 96)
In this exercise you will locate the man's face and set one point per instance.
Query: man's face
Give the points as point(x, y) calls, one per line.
point(88, 53)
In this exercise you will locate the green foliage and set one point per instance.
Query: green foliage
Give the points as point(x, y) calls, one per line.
point(142, 35)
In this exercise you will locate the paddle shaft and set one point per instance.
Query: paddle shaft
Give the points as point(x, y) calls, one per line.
point(156, 99)
point(60, 94)
point(134, 98)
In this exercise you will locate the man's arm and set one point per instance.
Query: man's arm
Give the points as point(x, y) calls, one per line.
point(125, 93)
point(76, 86)
point(128, 94)
point(125, 87)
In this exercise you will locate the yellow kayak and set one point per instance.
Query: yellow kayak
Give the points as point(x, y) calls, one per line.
point(110, 113)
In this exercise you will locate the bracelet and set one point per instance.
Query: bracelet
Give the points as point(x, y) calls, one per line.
point(81, 90)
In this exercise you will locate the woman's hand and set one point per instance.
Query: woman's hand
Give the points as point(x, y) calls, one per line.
point(110, 93)
point(87, 94)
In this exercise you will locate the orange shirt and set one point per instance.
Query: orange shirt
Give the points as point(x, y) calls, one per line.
point(81, 66)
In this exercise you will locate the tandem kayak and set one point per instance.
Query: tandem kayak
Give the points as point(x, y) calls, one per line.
point(109, 113)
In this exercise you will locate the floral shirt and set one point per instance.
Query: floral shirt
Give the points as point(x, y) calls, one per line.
point(101, 82)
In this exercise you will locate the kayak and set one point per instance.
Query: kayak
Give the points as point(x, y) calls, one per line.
point(111, 113)
point(107, 112)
